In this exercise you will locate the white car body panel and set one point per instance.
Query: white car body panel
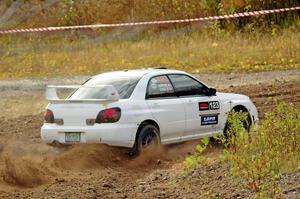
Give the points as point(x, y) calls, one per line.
point(171, 116)
point(178, 118)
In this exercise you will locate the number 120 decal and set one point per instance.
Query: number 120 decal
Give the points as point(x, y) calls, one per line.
point(205, 106)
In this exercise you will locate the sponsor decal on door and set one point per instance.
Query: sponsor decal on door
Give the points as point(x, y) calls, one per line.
point(209, 120)
point(205, 106)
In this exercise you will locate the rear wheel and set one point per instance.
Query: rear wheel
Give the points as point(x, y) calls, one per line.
point(148, 139)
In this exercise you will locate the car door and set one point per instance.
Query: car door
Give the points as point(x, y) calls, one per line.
point(202, 111)
point(166, 108)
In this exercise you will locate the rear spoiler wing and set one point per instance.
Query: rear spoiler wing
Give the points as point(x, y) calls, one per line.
point(51, 94)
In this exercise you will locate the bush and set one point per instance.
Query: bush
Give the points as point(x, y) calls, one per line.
point(113, 11)
point(191, 162)
point(75, 12)
point(261, 157)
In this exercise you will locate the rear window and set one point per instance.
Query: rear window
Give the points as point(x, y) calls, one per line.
point(160, 86)
point(124, 86)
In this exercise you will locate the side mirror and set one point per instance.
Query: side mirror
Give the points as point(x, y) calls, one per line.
point(211, 91)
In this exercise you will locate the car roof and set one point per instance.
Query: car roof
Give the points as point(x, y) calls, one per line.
point(138, 72)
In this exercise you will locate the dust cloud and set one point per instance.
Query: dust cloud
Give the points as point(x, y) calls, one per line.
point(28, 165)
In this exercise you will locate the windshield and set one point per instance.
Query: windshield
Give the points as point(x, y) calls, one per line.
point(124, 86)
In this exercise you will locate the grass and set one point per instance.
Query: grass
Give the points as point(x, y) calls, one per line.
point(259, 159)
point(66, 54)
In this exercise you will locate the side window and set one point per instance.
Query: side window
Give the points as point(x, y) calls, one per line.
point(185, 85)
point(160, 86)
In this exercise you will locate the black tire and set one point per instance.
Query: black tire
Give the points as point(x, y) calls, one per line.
point(247, 124)
point(147, 137)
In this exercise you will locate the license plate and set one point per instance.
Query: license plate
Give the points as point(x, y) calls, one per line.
point(72, 137)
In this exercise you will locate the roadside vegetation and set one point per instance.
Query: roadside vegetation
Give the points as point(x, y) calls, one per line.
point(74, 12)
point(196, 51)
point(256, 161)
point(260, 159)
point(270, 42)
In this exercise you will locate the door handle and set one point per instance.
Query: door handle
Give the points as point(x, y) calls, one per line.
point(190, 102)
point(155, 105)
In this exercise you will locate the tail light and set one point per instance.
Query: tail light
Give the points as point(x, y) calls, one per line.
point(109, 115)
point(49, 117)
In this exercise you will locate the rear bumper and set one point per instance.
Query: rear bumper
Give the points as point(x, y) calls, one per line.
point(122, 135)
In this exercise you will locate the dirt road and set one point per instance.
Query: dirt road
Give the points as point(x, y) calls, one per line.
point(30, 169)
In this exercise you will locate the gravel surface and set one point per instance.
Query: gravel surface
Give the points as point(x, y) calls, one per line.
point(30, 169)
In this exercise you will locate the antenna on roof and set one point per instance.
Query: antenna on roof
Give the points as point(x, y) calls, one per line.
point(160, 67)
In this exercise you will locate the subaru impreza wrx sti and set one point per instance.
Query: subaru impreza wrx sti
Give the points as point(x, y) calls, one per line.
point(133, 108)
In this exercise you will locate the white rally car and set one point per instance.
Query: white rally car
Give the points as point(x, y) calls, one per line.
point(133, 108)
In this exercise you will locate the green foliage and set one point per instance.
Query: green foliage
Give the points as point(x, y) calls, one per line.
point(69, 14)
point(198, 47)
point(236, 122)
point(67, 53)
point(193, 160)
point(78, 12)
point(112, 11)
point(261, 157)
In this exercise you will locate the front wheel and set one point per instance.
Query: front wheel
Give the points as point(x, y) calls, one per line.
point(148, 139)
point(246, 121)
